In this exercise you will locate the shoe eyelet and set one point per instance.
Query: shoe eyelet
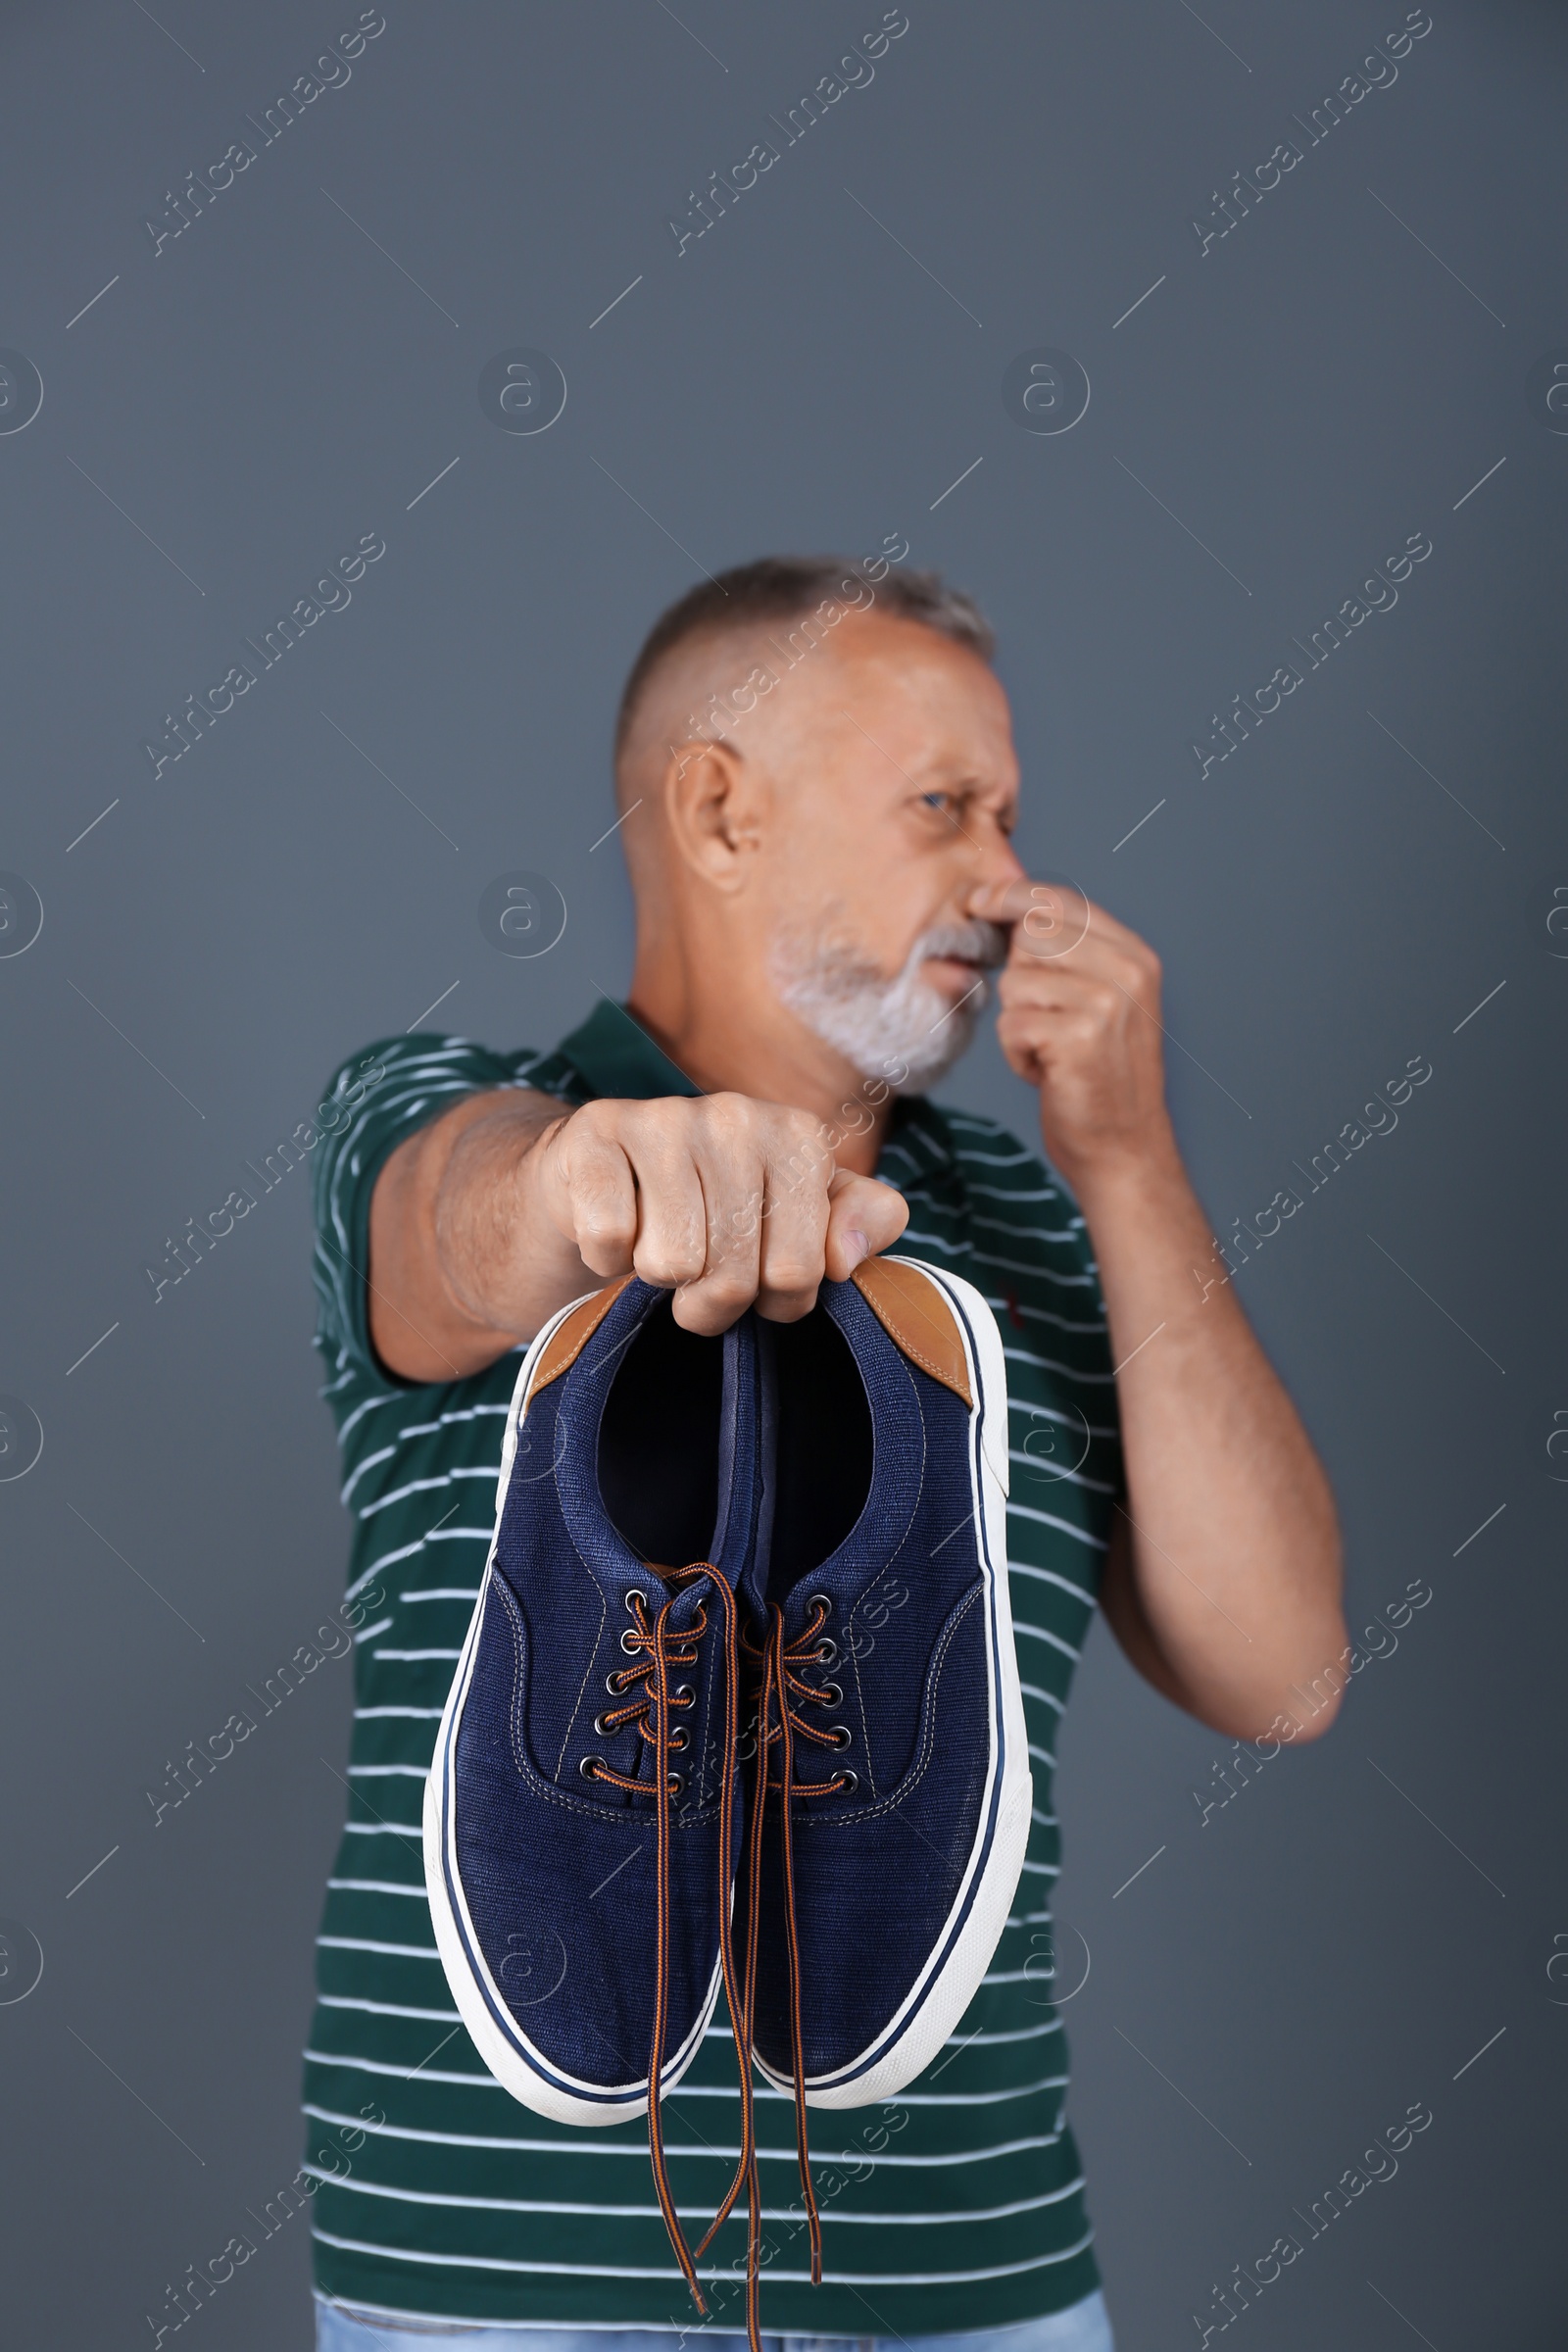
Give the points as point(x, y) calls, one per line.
point(682, 1696)
point(629, 1642)
point(831, 1696)
point(636, 1593)
point(849, 1782)
point(822, 1601)
point(678, 1740)
point(612, 1685)
point(841, 1735)
point(827, 1652)
point(677, 1783)
point(589, 1767)
point(604, 1727)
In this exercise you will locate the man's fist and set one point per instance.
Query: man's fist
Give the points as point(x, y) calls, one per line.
point(1080, 1019)
point(727, 1201)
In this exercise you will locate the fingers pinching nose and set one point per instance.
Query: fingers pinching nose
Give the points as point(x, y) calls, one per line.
point(1007, 902)
point(1044, 920)
point(993, 901)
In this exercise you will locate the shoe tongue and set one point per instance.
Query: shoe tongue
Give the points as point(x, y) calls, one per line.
point(747, 1461)
point(753, 1585)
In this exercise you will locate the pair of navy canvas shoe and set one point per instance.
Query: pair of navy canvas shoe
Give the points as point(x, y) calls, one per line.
point(738, 1706)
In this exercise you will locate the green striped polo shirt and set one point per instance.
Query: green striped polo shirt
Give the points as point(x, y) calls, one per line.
point(957, 2205)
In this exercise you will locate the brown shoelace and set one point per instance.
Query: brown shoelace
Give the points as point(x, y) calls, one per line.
point(658, 1652)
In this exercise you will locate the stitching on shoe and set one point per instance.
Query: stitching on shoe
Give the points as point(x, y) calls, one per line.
point(592, 1310)
point(839, 1819)
point(690, 1817)
point(865, 1734)
point(518, 1652)
point(926, 1363)
point(897, 1553)
point(587, 1567)
point(906, 1347)
point(603, 1620)
point(519, 1757)
point(897, 1549)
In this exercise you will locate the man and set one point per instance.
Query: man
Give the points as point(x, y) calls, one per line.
point(825, 882)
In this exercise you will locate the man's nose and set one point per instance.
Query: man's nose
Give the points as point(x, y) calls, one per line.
point(998, 864)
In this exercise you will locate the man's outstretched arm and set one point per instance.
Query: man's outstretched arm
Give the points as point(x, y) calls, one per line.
point(1224, 1576)
point(512, 1204)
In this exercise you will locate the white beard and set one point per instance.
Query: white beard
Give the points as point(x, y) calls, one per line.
point(903, 1031)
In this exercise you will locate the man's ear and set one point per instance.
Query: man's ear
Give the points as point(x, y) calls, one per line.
point(716, 805)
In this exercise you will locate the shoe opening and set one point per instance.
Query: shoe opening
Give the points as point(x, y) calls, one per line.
point(658, 1441)
point(823, 1445)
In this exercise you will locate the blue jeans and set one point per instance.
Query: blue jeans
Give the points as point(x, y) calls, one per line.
point(1084, 2328)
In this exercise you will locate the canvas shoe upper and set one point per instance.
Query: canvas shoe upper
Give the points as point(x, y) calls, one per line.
point(881, 1651)
point(579, 1910)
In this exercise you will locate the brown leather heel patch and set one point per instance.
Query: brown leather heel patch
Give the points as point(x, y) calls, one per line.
point(573, 1334)
point(917, 1319)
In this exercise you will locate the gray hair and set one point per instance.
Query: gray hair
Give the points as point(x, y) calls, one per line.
point(778, 588)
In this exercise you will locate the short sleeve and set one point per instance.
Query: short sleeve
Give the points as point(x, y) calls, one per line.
point(376, 1102)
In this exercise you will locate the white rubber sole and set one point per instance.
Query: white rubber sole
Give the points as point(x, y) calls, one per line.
point(511, 2058)
point(963, 1950)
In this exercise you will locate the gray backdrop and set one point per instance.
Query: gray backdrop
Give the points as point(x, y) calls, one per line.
point(1371, 876)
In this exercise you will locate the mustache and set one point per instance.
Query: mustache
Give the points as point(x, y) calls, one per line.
point(974, 942)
